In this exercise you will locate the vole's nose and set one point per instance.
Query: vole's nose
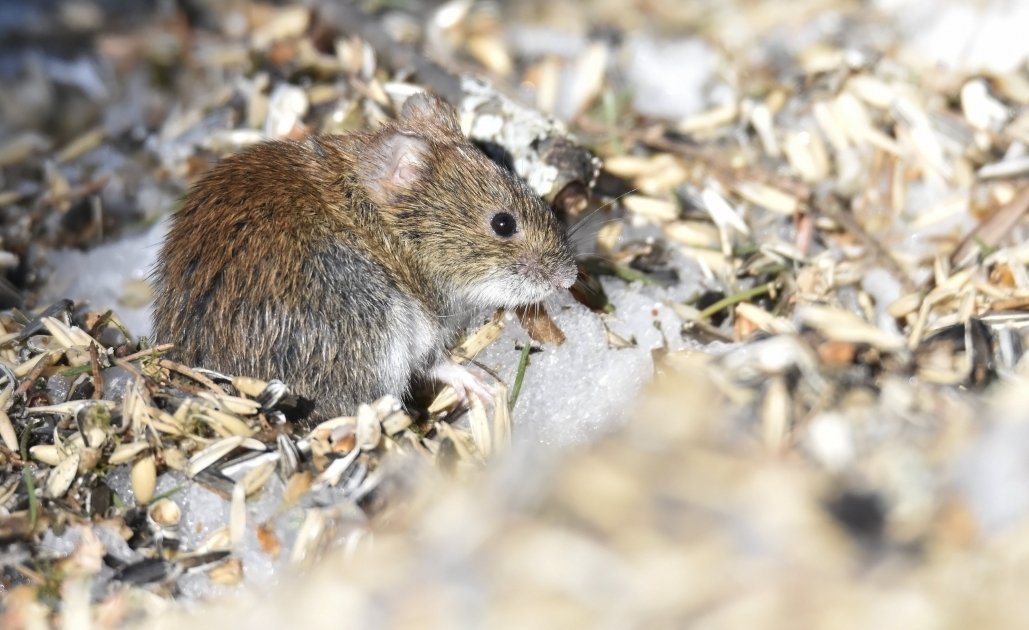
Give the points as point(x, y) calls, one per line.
point(566, 277)
point(560, 276)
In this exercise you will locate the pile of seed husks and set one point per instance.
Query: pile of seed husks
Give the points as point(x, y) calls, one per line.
point(79, 415)
point(836, 435)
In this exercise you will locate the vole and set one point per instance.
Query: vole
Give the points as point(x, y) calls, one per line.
point(348, 264)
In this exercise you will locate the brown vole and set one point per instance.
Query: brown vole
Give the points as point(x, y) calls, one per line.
point(348, 264)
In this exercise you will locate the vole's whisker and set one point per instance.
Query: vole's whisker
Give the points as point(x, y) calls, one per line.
point(582, 220)
point(590, 289)
point(607, 259)
point(601, 224)
point(588, 238)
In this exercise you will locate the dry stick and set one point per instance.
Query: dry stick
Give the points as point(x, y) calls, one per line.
point(708, 329)
point(76, 192)
point(154, 350)
point(1020, 303)
point(991, 231)
point(98, 379)
point(36, 372)
point(23, 441)
point(189, 373)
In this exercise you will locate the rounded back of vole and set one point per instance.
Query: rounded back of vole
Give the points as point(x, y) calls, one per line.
point(472, 226)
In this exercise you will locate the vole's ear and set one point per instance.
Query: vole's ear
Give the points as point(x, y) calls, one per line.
point(423, 109)
point(392, 165)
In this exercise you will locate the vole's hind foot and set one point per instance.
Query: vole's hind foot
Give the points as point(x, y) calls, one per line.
point(465, 382)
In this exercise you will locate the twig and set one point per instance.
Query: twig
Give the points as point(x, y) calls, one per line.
point(98, 379)
point(189, 373)
point(991, 231)
point(154, 350)
point(36, 372)
point(23, 442)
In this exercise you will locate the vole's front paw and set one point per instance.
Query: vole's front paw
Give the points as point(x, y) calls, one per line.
point(464, 381)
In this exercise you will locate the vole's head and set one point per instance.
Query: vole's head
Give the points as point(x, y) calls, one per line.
point(476, 227)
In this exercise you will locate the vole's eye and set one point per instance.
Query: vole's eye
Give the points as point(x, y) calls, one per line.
point(503, 224)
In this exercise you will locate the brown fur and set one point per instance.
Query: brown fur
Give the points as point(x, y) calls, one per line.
point(345, 264)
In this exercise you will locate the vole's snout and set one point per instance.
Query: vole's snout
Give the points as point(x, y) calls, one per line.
point(532, 268)
point(566, 276)
point(557, 274)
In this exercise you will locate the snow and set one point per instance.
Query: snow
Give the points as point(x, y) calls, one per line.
point(103, 277)
point(574, 392)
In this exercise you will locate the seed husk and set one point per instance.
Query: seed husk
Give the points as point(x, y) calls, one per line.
point(144, 479)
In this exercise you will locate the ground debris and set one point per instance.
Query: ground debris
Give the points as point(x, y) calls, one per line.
point(73, 466)
point(805, 245)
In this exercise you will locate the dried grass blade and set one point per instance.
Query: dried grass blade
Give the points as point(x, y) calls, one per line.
point(214, 452)
point(7, 433)
point(480, 426)
point(992, 231)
